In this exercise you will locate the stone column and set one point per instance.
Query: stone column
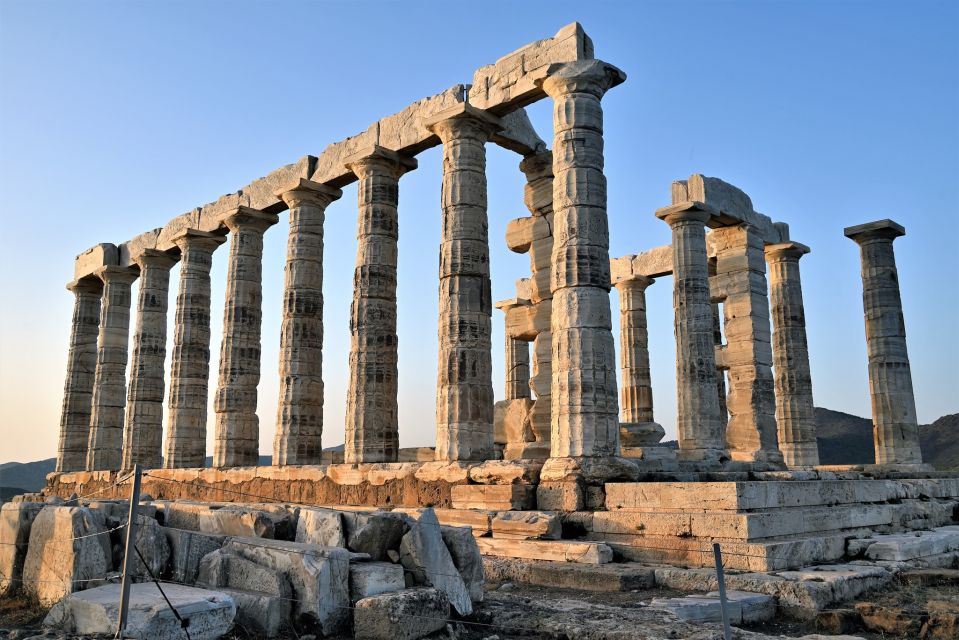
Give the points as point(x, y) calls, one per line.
point(464, 394)
point(185, 445)
point(636, 392)
point(517, 369)
point(299, 420)
point(698, 424)
point(81, 365)
point(585, 410)
point(720, 369)
point(109, 382)
point(895, 427)
point(143, 431)
point(794, 403)
point(236, 442)
point(372, 427)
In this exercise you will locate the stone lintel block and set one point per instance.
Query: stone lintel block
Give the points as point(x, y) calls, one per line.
point(885, 228)
point(130, 251)
point(525, 322)
point(735, 206)
point(501, 497)
point(88, 262)
point(509, 303)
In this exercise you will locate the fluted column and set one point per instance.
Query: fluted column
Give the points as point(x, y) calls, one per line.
point(464, 394)
point(720, 370)
point(698, 425)
point(81, 367)
point(585, 409)
point(143, 430)
point(109, 383)
point(636, 392)
point(895, 427)
point(794, 403)
point(299, 420)
point(372, 425)
point(185, 445)
point(517, 369)
point(236, 439)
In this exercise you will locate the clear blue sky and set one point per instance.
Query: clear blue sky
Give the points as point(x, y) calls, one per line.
point(117, 116)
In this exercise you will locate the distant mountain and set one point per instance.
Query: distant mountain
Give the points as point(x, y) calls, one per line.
point(27, 476)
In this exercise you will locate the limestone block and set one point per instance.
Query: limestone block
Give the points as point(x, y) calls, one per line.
point(187, 550)
point(516, 425)
point(493, 497)
point(88, 262)
point(96, 611)
point(320, 526)
point(525, 525)
point(65, 553)
point(373, 533)
point(235, 521)
point(16, 519)
point(527, 450)
point(416, 454)
point(128, 252)
point(640, 434)
point(525, 322)
point(911, 546)
point(846, 581)
point(373, 578)
point(153, 546)
point(221, 569)
point(454, 472)
point(466, 556)
point(403, 615)
point(423, 552)
point(555, 550)
point(260, 613)
point(561, 496)
point(183, 514)
point(506, 472)
point(477, 520)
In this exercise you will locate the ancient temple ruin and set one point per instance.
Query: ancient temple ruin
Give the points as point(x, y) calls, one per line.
point(564, 439)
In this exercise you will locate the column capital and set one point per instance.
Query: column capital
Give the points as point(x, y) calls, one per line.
point(376, 159)
point(155, 258)
point(198, 239)
point(583, 76)
point(511, 303)
point(90, 285)
point(248, 219)
point(119, 275)
point(463, 120)
point(303, 191)
point(691, 211)
point(880, 229)
point(633, 281)
point(785, 251)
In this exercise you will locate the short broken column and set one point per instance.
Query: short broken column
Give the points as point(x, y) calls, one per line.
point(464, 393)
point(109, 385)
point(81, 366)
point(143, 430)
point(895, 426)
point(299, 420)
point(372, 413)
point(698, 425)
point(185, 444)
point(237, 432)
point(794, 402)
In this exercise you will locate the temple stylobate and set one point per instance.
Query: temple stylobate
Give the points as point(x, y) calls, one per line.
point(744, 388)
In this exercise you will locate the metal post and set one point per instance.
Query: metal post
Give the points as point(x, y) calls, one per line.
point(128, 557)
point(721, 579)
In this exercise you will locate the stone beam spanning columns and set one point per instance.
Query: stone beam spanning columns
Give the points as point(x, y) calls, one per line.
point(185, 445)
point(299, 421)
point(585, 419)
point(698, 424)
point(372, 425)
point(237, 433)
point(109, 385)
point(895, 427)
point(143, 431)
point(81, 366)
point(464, 395)
point(794, 403)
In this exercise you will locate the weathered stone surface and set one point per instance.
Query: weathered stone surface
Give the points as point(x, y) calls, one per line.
point(153, 546)
point(617, 576)
point(506, 472)
point(320, 526)
point(96, 611)
point(511, 422)
point(69, 550)
point(187, 550)
point(373, 533)
point(525, 525)
point(403, 615)
point(373, 578)
point(16, 520)
point(845, 581)
point(423, 553)
point(97, 256)
point(237, 521)
point(554, 550)
point(477, 520)
point(909, 546)
point(742, 607)
point(498, 497)
point(461, 544)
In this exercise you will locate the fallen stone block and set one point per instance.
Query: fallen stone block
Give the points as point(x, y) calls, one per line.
point(97, 611)
point(260, 613)
point(424, 554)
point(320, 526)
point(525, 525)
point(556, 550)
point(697, 609)
point(16, 519)
point(181, 514)
point(908, 546)
point(754, 607)
point(373, 578)
point(187, 549)
point(845, 581)
point(477, 519)
point(237, 522)
point(374, 533)
point(503, 497)
point(617, 576)
point(69, 550)
point(403, 615)
point(467, 558)
point(153, 546)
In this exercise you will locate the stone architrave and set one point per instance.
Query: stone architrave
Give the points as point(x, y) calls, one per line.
point(895, 427)
point(794, 402)
point(585, 410)
point(372, 425)
point(237, 434)
point(185, 445)
point(109, 384)
point(464, 394)
point(740, 283)
point(299, 421)
point(698, 424)
point(81, 366)
point(143, 431)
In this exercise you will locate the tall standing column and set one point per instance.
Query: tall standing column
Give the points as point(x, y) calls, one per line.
point(237, 434)
point(372, 425)
point(299, 420)
point(185, 445)
point(794, 404)
point(698, 424)
point(895, 427)
point(636, 392)
point(109, 383)
point(464, 394)
point(143, 431)
point(81, 366)
point(585, 410)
